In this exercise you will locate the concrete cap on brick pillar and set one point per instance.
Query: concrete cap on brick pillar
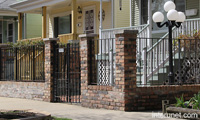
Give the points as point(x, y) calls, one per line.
point(128, 32)
point(88, 35)
point(73, 41)
point(50, 39)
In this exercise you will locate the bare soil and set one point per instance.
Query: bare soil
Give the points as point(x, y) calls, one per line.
point(15, 114)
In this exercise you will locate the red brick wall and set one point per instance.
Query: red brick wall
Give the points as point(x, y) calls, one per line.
point(110, 97)
point(125, 95)
point(150, 98)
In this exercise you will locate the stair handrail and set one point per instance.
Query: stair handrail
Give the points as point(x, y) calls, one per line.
point(164, 36)
point(145, 27)
point(176, 32)
point(124, 28)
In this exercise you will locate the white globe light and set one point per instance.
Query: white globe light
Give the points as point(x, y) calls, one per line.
point(169, 6)
point(172, 15)
point(181, 17)
point(158, 17)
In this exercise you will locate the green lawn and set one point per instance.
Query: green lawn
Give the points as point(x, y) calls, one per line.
point(55, 118)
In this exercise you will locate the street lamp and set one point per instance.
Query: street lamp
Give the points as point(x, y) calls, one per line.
point(174, 19)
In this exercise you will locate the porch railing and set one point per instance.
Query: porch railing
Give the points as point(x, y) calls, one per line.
point(160, 48)
point(64, 38)
point(102, 65)
point(31, 39)
point(185, 63)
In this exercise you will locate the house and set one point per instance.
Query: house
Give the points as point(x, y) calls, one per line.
point(9, 26)
point(66, 19)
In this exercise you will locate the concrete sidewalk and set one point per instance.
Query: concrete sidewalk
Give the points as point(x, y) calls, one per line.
point(73, 111)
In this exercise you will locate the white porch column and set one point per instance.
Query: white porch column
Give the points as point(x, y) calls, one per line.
point(100, 26)
point(112, 13)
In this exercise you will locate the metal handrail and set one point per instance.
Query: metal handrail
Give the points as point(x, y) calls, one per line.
point(124, 27)
point(147, 25)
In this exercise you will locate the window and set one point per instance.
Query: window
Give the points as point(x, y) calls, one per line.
point(10, 32)
point(180, 5)
point(62, 25)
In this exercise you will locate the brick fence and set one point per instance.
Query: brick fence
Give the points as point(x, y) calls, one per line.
point(42, 91)
point(125, 95)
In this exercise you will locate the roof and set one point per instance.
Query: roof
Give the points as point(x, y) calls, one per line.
point(28, 5)
point(5, 5)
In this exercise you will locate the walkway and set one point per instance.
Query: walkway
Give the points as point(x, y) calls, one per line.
point(72, 111)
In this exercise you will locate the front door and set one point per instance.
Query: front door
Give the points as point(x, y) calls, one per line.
point(10, 32)
point(89, 21)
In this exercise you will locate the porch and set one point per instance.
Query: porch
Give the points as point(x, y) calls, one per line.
point(66, 19)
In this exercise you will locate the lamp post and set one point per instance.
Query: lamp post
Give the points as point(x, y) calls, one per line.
point(174, 20)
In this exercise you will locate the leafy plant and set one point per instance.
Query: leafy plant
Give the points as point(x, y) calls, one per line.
point(26, 43)
point(181, 103)
point(190, 43)
point(196, 101)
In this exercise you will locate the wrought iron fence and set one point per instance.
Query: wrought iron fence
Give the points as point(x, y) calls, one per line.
point(102, 61)
point(153, 63)
point(67, 83)
point(22, 63)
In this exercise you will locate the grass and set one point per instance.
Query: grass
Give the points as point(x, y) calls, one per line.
point(55, 118)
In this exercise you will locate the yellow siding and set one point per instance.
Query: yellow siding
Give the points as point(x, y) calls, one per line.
point(34, 23)
point(106, 23)
point(122, 17)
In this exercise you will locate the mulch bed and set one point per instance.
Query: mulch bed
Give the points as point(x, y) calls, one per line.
point(15, 114)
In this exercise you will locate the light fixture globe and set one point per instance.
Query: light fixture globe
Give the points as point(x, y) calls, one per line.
point(169, 6)
point(172, 15)
point(181, 17)
point(158, 17)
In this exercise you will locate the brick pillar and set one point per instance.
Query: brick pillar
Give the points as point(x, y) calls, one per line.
point(126, 66)
point(85, 47)
point(49, 57)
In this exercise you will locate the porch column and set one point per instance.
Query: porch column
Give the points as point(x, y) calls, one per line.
point(100, 24)
point(44, 21)
point(73, 19)
point(19, 26)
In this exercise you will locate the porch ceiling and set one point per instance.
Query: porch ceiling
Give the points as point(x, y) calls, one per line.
point(34, 6)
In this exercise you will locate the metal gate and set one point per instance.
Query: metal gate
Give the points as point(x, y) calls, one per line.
point(67, 85)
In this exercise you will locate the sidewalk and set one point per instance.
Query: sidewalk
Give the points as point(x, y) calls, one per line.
point(73, 111)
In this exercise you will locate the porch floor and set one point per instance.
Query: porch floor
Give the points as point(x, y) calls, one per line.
point(73, 112)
